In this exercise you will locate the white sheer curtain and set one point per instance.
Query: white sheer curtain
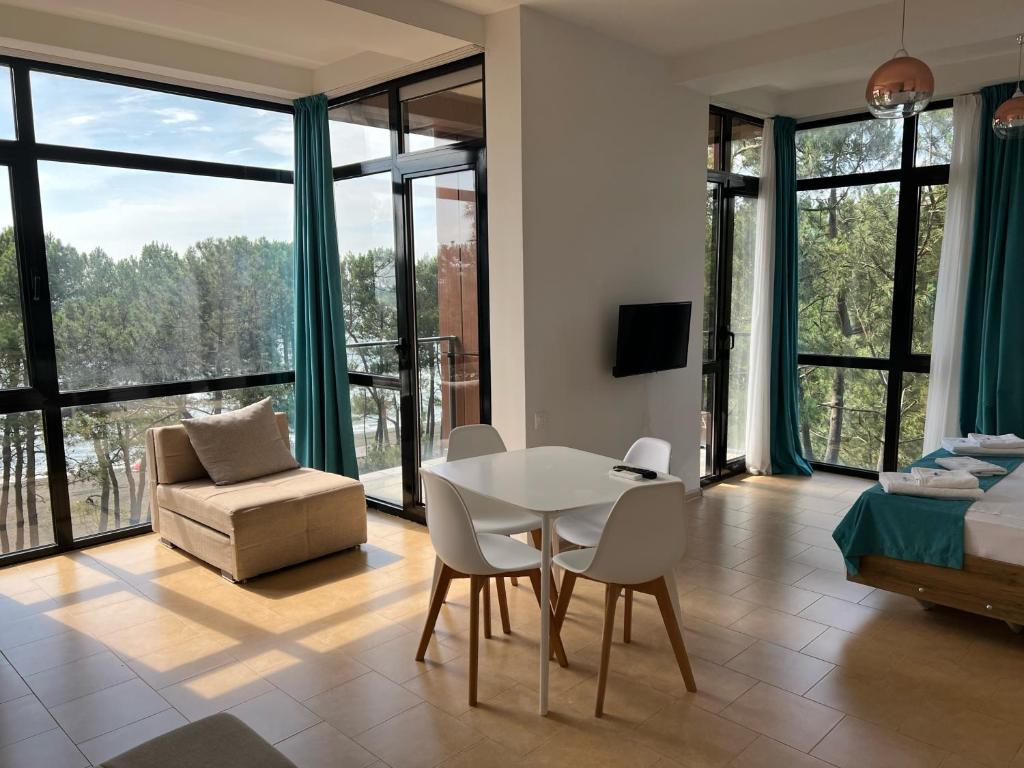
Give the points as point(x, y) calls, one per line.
point(942, 418)
point(759, 455)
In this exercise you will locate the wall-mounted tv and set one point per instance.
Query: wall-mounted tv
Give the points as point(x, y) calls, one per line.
point(652, 337)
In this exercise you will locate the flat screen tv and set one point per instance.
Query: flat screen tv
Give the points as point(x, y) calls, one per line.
point(652, 337)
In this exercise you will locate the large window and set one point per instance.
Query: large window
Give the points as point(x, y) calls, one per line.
point(872, 204)
point(734, 163)
point(145, 276)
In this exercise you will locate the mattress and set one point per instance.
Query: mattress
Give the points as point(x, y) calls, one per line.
point(994, 525)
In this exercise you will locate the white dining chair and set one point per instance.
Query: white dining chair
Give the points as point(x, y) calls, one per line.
point(583, 528)
point(490, 516)
point(467, 554)
point(643, 538)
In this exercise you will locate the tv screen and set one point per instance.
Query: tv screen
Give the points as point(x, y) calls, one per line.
point(652, 337)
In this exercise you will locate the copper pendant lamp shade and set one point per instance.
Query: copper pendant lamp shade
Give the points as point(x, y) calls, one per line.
point(1008, 120)
point(902, 86)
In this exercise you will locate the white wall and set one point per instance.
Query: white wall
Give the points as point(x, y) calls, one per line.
point(611, 189)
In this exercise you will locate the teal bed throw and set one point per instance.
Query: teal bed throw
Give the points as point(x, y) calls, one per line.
point(909, 527)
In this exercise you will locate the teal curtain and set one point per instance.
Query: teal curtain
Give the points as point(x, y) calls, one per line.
point(992, 376)
point(323, 415)
point(787, 457)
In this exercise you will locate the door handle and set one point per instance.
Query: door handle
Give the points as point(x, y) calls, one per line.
point(732, 340)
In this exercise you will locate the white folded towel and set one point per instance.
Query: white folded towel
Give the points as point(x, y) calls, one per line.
point(970, 464)
point(963, 446)
point(942, 478)
point(1008, 440)
point(907, 485)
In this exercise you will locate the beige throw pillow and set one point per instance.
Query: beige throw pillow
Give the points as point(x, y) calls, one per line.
point(240, 445)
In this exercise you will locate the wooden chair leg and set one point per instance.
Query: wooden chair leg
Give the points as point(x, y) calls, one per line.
point(514, 580)
point(611, 596)
point(475, 584)
point(444, 579)
point(556, 641)
point(506, 625)
point(675, 635)
point(568, 582)
point(535, 537)
point(487, 607)
point(627, 618)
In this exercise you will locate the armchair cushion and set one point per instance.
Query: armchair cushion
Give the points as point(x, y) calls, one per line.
point(240, 445)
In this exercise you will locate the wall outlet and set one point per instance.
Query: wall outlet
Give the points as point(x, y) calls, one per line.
point(540, 421)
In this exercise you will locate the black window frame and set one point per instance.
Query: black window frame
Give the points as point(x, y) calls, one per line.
point(402, 166)
point(730, 186)
point(902, 359)
point(43, 394)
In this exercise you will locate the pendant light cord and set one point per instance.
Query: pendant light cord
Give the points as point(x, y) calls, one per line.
point(1020, 49)
point(903, 26)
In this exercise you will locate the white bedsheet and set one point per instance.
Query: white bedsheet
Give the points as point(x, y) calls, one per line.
point(994, 525)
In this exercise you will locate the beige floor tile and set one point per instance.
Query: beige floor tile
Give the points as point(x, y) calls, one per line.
point(362, 703)
point(186, 659)
point(50, 652)
point(849, 617)
point(717, 686)
point(302, 673)
point(713, 577)
point(818, 537)
point(483, 754)
point(768, 753)
point(79, 678)
point(168, 631)
point(833, 584)
point(104, 711)
point(592, 748)
point(775, 568)
point(827, 558)
point(952, 727)
point(779, 628)
point(215, 690)
point(628, 702)
point(714, 606)
point(396, 659)
point(775, 546)
point(50, 749)
point(30, 629)
point(855, 743)
point(859, 652)
point(780, 667)
point(885, 699)
point(783, 716)
point(511, 719)
point(446, 686)
point(324, 746)
point(778, 596)
point(23, 717)
point(104, 747)
point(694, 736)
point(418, 738)
point(275, 716)
point(73, 582)
point(11, 684)
point(712, 642)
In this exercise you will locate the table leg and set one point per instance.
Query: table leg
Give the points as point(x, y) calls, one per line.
point(545, 610)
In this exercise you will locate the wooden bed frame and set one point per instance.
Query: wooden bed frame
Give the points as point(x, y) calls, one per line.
point(986, 587)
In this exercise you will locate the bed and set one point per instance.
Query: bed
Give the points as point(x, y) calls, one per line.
point(990, 579)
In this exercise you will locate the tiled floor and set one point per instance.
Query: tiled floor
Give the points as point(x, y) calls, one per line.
point(796, 666)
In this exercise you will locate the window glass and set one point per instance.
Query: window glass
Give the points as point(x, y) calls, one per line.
point(6, 105)
point(711, 271)
point(366, 241)
point(740, 310)
point(77, 112)
point(934, 137)
point(932, 208)
point(105, 449)
point(376, 426)
point(714, 141)
point(912, 412)
point(745, 148)
point(836, 150)
point(842, 415)
point(360, 130)
point(25, 520)
point(159, 277)
point(13, 366)
point(445, 117)
point(707, 424)
point(847, 254)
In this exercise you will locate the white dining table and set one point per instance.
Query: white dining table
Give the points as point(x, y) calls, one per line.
point(548, 481)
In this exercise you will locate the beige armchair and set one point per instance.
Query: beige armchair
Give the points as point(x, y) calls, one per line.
point(254, 526)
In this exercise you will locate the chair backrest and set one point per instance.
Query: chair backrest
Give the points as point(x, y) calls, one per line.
point(474, 440)
point(650, 453)
point(451, 528)
point(645, 535)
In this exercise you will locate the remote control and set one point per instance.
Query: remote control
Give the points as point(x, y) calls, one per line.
point(646, 474)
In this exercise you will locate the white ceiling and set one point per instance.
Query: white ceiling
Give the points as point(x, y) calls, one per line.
point(799, 57)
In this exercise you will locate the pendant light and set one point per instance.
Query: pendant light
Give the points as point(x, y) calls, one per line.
point(1008, 121)
point(902, 86)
